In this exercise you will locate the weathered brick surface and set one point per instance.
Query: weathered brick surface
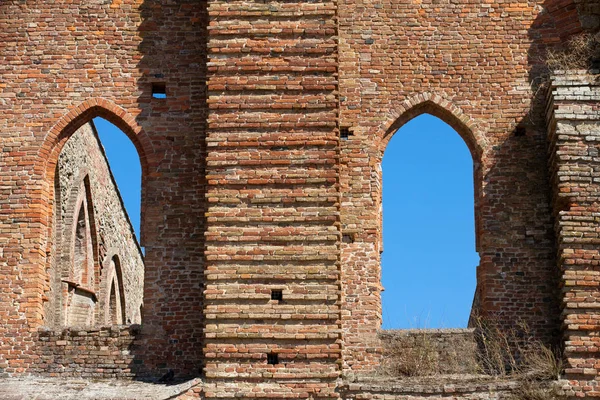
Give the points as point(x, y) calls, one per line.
point(246, 186)
point(433, 351)
point(63, 64)
point(574, 132)
point(273, 200)
point(470, 64)
point(87, 353)
point(439, 388)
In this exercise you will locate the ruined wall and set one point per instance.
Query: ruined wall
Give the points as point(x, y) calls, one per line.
point(273, 200)
point(474, 65)
point(63, 64)
point(247, 188)
point(83, 167)
point(574, 134)
point(432, 389)
point(423, 352)
point(96, 353)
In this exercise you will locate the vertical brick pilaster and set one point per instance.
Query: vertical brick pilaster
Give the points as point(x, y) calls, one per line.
point(273, 201)
point(574, 134)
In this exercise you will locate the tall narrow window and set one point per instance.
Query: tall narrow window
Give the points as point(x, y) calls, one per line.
point(113, 305)
point(81, 299)
point(429, 258)
point(116, 301)
point(80, 248)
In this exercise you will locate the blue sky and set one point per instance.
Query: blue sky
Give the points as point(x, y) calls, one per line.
point(125, 166)
point(429, 258)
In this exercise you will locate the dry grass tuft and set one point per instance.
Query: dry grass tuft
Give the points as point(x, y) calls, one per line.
point(496, 353)
point(581, 52)
point(510, 354)
point(418, 359)
point(540, 362)
point(514, 354)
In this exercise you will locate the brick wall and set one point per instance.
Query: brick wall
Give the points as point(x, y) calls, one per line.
point(273, 200)
point(472, 65)
point(97, 353)
point(65, 63)
point(574, 133)
point(429, 351)
point(433, 389)
point(246, 188)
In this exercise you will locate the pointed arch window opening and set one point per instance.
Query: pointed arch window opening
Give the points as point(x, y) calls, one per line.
point(125, 169)
point(115, 311)
point(78, 290)
point(81, 294)
point(427, 211)
point(82, 251)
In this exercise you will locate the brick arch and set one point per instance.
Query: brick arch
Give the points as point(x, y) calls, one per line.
point(73, 275)
point(62, 130)
point(81, 198)
point(112, 273)
point(48, 154)
point(438, 106)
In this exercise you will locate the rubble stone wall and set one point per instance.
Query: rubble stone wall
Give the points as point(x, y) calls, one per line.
point(429, 351)
point(428, 389)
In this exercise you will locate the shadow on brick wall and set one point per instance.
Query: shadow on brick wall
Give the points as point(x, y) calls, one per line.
point(521, 234)
point(172, 97)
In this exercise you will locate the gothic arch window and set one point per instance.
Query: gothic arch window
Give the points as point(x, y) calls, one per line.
point(113, 306)
point(78, 147)
point(81, 251)
point(429, 259)
point(80, 301)
point(115, 303)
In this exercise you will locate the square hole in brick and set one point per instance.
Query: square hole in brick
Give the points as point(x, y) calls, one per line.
point(159, 90)
point(345, 133)
point(347, 238)
point(277, 294)
point(273, 358)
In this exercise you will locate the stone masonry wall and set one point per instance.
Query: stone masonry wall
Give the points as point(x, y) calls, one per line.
point(422, 351)
point(83, 158)
point(574, 134)
point(432, 389)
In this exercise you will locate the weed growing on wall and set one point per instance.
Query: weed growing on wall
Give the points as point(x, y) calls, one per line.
point(514, 354)
point(493, 352)
point(581, 52)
